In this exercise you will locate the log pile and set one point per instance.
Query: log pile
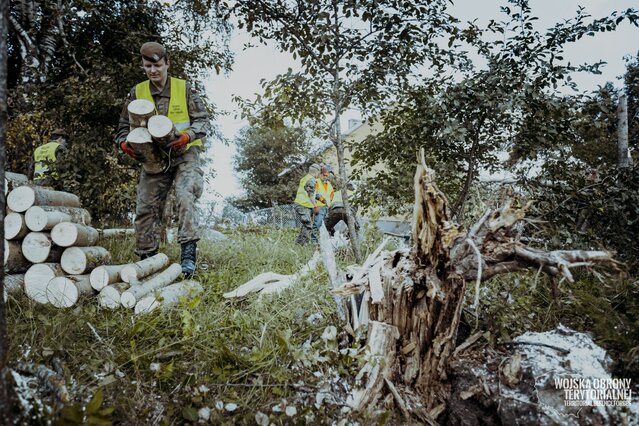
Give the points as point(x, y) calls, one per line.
point(52, 255)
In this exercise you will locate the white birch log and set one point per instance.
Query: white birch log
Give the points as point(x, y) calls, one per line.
point(44, 218)
point(116, 232)
point(141, 141)
point(130, 297)
point(82, 260)
point(110, 295)
point(14, 260)
point(168, 296)
point(15, 227)
point(67, 234)
point(13, 284)
point(38, 247)
point(104, 275)
point(23, 197)
point(140, 110)
point(64, 292)
point(14, 180)
point(162, 130)
point(36, 279)
point(136, 271)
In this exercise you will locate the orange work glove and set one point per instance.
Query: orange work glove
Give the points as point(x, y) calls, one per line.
point(316, 209)
point(126, 147)
point(180, 142)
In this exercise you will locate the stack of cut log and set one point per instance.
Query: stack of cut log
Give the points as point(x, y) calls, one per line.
point(51, 254)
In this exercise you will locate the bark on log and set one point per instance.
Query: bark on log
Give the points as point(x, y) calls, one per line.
point(14, 180)
point(82, 260)
point(38, 247)
point(15, 227)
point(23, 197)
point(64, 292)
point(67, 234)
point(136, 271)
point(37, 278)
point(140, 110)
point(104, 275)
point(14, 260)
point(168, 296)
point(141, 141)
point(13, 284)
point(130, 297)
point(110, 296)
point(162, 130)
point(116, 232)
point(424, 288)
point(44, 218)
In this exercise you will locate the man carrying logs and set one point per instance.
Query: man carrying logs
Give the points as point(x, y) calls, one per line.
point(176, 99)
point(47, 157)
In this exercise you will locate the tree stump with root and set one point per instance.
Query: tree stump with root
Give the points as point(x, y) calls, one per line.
point(420, 293)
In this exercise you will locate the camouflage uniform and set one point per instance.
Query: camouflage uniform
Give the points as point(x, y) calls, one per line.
point(184, 168)
point(305, 216)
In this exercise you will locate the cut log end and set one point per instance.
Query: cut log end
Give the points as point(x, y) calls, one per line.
point(36, 279)
point(21, 198)
point(64, 292)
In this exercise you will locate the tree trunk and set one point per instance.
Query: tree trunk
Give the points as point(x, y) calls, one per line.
point(13, 284)
point(130, 297)
point(169, 296)
point(104, 275)
point(424, 288)
point(36, 279)
point(142, 143)
point(64, 292)
point(67, 234)
point(140, 110)
point(15, 227)
point(82, 260)
point(14, 180)
point(14, 260)
point(37, 247)
point(23, 197)
point(44, 218)
point(136, 271)
point(110, 296)
point(623, 154)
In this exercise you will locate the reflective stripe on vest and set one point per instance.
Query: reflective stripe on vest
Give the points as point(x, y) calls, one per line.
point(302, 197)
point(42, 156)
point(324, 189)
point(178, 107)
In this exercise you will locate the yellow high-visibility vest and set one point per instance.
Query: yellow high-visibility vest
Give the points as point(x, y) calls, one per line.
point(43, 156)
point(337, 200)
point(302, 197)
point(325, 189)
point(178, 107)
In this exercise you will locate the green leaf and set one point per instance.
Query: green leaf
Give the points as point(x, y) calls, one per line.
point(190, 413)
point(94, 405)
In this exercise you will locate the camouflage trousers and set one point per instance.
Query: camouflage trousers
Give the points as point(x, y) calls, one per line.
point(305, 216)
point(153, 190)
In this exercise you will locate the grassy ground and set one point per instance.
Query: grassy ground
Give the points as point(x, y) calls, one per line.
point(277, 357)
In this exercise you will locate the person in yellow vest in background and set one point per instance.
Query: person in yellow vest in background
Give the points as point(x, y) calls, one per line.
point(337, 211)
point(47, 157)
point(323, 194)
point(306, 206)
point(178, 100)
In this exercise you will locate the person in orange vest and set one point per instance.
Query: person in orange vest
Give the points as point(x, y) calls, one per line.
point(47, 157)
point(306, 205)
point(178, 100)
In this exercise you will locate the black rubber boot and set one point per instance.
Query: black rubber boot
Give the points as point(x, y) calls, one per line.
point(149, 254)
point(188, 258)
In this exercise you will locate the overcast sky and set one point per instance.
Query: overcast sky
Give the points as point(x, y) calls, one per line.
point(253, 64)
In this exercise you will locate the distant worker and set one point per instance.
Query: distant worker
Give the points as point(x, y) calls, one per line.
point(305, 205)
point(323, 194)
point(178, 100)
point(46, 158)
point(337, 211)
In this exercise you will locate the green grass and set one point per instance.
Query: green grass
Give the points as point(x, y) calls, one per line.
point(248, 352)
